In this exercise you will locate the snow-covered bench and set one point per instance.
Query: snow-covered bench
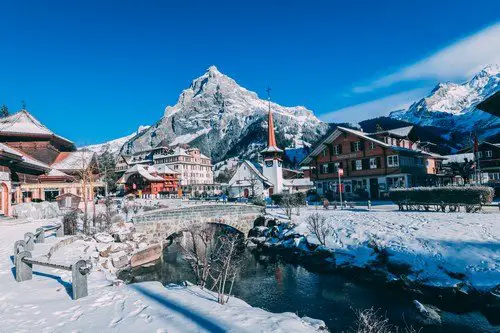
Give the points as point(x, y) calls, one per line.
point(80, 269)
point(24, 262)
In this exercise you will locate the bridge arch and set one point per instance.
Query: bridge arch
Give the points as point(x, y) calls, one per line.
point(161, 224)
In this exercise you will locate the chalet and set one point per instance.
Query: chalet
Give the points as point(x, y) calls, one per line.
point(146, 181)
point(371, 163)
point(37, 164)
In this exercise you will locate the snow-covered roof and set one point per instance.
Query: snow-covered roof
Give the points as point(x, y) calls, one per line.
point(73, 161)
point(144, 171)
point(56, 173)
point(365, 136)
point(271, 149)
point(23, 123)
point(163, 169)
point(234, 181)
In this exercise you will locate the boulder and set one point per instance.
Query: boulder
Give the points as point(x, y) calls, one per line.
point(428, 314)
point(146, 255)
point(103, 249)
point(119, 259)
point(118, 247)
point(103, 237)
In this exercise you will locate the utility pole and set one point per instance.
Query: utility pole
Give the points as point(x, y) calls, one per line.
point(340, 172)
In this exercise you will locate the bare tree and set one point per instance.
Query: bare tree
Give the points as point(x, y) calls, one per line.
point(86, 174)
point(199, 250)
point(226, 265)
point(319, 227)
point(214, 258)
point(253, 183)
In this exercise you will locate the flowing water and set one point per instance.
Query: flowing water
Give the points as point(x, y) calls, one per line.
point(275, 284)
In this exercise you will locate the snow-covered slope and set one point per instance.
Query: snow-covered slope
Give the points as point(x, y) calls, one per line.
point(222, 118)
point(452, 106)
point(113, 146)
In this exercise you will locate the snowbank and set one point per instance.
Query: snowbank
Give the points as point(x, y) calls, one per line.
point(440, 249)
point(44, 305)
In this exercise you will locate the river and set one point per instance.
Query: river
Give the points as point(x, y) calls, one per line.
point(275, 284)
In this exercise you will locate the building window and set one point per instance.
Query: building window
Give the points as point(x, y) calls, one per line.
point(393, 161)
point(494, 176)
point(371, 145)
point(337, 150)
point(479, 154)
point(359, 165)
point(324, 152)
point(325, 168)
point(357, 146)
point(489, 153)
point(373, 163)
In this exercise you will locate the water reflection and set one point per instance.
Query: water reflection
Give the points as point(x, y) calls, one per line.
point(271, 283)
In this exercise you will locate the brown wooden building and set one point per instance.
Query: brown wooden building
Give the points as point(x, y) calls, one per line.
point(371, 163)
point(37, 164)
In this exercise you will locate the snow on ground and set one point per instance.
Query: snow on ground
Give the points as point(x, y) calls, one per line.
point(43, 304)
point(431, 243)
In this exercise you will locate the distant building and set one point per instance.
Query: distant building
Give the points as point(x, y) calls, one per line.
point(194, 169)
point(37, 164)
point(487, 160)
point(148, 181)
point(372, 163)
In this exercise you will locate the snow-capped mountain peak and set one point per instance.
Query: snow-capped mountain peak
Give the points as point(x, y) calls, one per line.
point(453, 106)
point(215, 113)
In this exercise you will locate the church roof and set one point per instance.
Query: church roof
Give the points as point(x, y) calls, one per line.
point(23, 123)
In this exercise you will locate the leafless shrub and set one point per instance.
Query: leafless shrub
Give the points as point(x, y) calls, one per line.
point(373, 321)
point(317, 225)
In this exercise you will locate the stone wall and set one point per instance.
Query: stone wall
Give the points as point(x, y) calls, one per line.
point(163, 223)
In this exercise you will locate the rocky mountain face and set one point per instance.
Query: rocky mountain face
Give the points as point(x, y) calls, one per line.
point(224, 119)
point(452, 107)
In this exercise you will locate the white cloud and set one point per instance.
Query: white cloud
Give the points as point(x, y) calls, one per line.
point(375, 108)
point(459, 60)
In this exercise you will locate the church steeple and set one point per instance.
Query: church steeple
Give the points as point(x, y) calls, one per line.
point(272, 167)
point(272, 147)
point(271, 139)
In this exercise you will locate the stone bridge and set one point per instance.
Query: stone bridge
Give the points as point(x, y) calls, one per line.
point(163, 223)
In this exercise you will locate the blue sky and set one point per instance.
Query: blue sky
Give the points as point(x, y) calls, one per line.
point(96, 70)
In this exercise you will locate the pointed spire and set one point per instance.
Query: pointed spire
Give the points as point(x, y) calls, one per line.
point(271, 137)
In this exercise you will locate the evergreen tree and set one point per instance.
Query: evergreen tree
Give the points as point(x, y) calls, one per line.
point(107, 166)
point(4, 111)
point(379, 128)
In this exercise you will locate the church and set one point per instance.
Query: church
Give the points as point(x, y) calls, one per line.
point(254, 179)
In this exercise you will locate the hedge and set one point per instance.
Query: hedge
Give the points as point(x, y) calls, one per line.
point(298, 198)
point(465, 195)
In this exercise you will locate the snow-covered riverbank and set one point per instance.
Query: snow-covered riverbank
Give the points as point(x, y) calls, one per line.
point(44, 305)
point(437, 249)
